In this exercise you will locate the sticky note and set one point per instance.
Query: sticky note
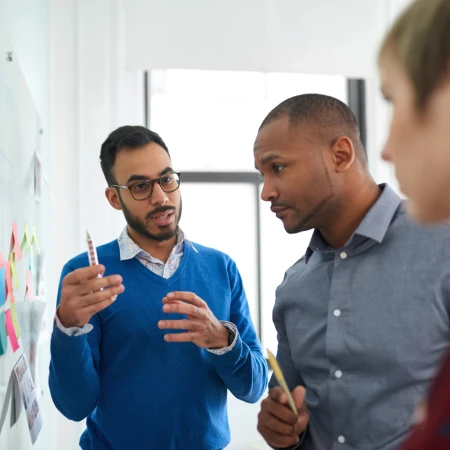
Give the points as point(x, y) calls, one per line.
point(15, 245)
point(2, 333)
point(15, 277)
point(1, 260)
point(11, 331)
point(29, 289)
point(9, 289)
point(26, 241)
point(14, 319)
point(34, 240)
point(2, 286)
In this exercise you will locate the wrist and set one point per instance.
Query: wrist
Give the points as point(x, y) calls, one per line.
point(224, 339)
point(63, 319)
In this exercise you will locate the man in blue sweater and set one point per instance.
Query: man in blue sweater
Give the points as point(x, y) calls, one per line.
point(147, 343)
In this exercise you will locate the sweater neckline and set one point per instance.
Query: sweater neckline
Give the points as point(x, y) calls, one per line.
point(158, 278)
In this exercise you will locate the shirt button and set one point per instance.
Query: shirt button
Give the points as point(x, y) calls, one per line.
point(338, 374)
point(337, 312)
point(343, 255)
point(341, 439)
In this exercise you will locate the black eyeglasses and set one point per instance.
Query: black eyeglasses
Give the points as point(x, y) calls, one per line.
point(143, 189)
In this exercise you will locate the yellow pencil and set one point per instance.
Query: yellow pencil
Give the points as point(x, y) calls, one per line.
point(279, 376)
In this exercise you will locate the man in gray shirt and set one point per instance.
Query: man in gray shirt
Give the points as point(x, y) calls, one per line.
point(363, 317)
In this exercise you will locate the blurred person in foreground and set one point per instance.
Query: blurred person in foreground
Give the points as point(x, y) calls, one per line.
point(414, 62)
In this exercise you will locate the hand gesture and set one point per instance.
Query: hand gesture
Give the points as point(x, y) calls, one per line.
point(84, 294)
point(202, 327)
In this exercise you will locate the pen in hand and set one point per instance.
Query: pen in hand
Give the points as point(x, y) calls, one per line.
point(280, 378)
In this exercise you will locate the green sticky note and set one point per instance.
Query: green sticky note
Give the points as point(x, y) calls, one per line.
point(27, 241)
point(3, 341)
point(15, 277)
point(34, 239)
point(14, 319)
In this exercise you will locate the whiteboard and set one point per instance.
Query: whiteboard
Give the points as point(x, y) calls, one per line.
point(20, 139)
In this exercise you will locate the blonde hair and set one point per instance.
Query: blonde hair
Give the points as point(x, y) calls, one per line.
point(420, 42)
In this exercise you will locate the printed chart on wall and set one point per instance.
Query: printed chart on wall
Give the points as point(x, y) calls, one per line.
point(25, 208)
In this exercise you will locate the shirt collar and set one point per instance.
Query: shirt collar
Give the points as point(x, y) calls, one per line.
point(374, 225)
point(129, 249)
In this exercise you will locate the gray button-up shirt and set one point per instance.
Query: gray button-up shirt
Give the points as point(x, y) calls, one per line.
point(364, 327)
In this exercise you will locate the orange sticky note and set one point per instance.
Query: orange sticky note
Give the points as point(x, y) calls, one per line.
point(15, 244)
point(11, 331)
point(29, 289)
point(9, 289)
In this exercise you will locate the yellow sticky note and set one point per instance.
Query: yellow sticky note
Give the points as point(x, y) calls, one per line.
point(34, 240)
point(27, 241)
point(14, 319)
point(15, 277)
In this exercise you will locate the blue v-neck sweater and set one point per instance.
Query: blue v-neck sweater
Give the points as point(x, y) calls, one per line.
point(141, 392)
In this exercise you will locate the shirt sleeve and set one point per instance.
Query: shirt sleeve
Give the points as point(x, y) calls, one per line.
point(243, 369)
point(286, 362)
point(72, 331)
point(74, 378)
point(234, 333)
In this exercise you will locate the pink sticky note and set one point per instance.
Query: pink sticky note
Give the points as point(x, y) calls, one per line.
point(15, 244)
point(29, 288)
point(11, 331)
point(1, 260)
point(9, 289)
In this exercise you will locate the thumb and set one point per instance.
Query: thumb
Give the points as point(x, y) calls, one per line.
point(298, 394)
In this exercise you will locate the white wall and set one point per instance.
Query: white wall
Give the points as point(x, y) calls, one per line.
point(320, 36)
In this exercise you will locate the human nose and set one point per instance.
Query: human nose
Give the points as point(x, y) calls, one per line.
point(158, 197)
point(268, 191)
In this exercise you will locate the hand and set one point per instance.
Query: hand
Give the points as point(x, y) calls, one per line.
point(83, 294)
point(203, 329)
point(278, 425)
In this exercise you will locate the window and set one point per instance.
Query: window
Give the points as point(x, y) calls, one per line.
point(209, 120)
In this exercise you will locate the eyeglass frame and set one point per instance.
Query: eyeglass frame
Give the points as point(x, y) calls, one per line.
point(152, 183)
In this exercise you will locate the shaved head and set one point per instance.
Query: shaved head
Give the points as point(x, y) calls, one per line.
point(329, 117)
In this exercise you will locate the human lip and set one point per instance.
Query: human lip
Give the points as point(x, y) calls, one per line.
point(279, 210)
point(164, 218)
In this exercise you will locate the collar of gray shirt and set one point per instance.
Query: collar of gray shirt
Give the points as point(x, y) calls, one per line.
point(374, 225)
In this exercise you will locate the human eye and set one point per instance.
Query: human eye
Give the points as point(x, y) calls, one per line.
point(167, 179)
point(277, 168)
point(140, 186)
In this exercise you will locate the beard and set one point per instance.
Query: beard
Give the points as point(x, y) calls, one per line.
point(166, 232)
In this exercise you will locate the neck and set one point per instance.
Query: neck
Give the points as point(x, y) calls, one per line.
point(350, 213)
point(158, 249)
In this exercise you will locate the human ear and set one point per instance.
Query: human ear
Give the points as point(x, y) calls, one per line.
point(113, 198)
point(343, 152)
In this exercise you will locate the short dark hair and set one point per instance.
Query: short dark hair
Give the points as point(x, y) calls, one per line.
point(128, 136)
point(329, 114)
